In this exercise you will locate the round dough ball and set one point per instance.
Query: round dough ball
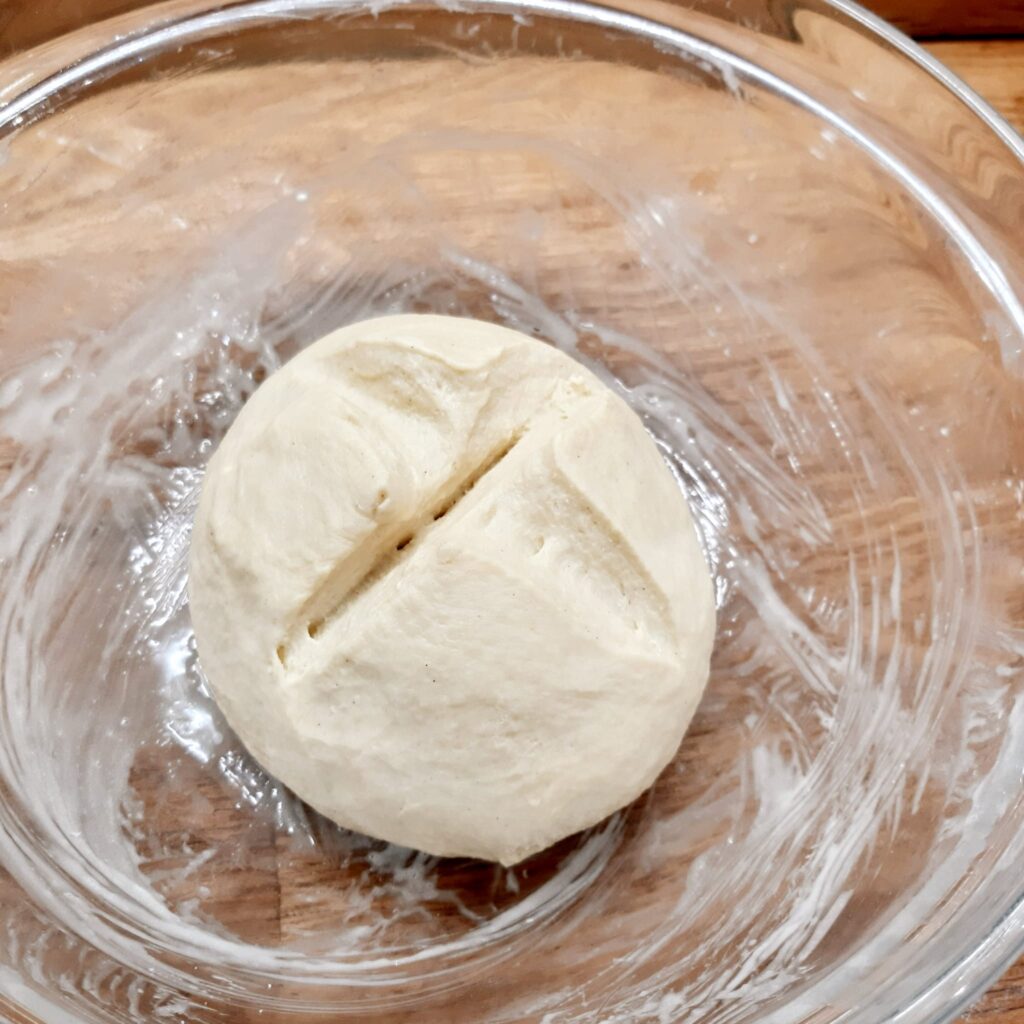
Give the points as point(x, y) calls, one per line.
point(445, 588)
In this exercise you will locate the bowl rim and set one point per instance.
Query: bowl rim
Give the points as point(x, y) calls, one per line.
point(949, 993)
point(943, 74)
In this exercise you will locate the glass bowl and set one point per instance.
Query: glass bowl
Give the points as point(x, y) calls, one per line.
point(785, 235)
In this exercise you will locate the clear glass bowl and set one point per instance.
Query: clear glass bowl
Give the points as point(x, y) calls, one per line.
point(787, 236)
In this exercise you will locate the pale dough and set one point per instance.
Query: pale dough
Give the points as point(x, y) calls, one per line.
point(445, 588)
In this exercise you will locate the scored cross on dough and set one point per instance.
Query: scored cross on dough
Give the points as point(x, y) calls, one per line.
point(342, 587)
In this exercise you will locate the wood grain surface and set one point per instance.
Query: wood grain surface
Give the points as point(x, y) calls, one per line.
point(994, 68)
point(932, 18)
point(25, 23)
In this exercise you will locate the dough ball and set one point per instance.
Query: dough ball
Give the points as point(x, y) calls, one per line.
point(445, 588)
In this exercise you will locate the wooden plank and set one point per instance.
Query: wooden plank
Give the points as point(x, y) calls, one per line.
point(993, 68)
point(1003, 1003)
point(27, 23)
point(936, 18)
